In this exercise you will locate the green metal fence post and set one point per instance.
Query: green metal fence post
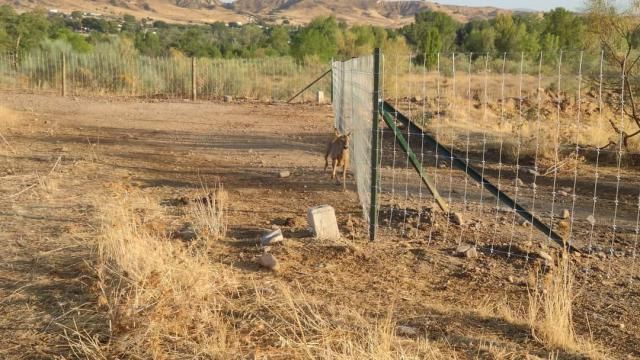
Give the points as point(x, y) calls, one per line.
point(375, 146)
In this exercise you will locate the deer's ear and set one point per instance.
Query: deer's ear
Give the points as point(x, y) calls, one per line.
point(336, 132)
point(349, 134)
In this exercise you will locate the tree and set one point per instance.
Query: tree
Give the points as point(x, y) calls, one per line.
point(618, 32)
point(130, 24)
point(321, 38)
point(279, 40)
point(430, 46)
point(78, 43)
point(513, 37)
point(566, 27)
point(148, 43)
point(480, 40)
point(431, 33)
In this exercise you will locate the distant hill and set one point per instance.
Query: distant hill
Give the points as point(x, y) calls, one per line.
point(388, 13)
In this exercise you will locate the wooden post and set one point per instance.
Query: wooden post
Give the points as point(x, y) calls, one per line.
point(375, 148)
point(64, 75)
point(194, 85)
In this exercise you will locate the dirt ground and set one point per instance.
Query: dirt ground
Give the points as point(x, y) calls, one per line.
point(63, 153)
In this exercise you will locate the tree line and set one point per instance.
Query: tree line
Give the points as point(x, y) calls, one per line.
point(322, 39)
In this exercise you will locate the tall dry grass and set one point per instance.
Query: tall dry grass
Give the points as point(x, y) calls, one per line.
point(550, 314)
point(208, 213)
point(116, 69)
point(166, 299)
point(163, 298)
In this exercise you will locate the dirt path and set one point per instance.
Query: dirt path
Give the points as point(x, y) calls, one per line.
point(69, 152)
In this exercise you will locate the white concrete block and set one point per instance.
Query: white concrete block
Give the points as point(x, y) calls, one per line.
point(272, 237)
point(322, 222)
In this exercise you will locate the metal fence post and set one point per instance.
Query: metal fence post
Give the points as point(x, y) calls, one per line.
point(375, 148)
point(64, 75)
point(194, 90)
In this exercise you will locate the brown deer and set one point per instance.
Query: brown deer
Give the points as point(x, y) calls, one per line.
point(338, 150)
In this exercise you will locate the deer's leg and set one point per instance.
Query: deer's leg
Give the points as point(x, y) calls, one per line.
point(344, 176)
point(334, 165)
point(326, 158)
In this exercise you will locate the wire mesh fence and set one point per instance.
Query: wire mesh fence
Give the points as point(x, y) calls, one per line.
point(102, 73)
point(548, 130)
point(353, 89)
point(553, 134)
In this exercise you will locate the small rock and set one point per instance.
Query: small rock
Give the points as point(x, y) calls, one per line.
point(184, 200)
point(511, 279)
point(402, 330)
point(416, 99)
point(272, 237)
point(290, 222)
point(284, 174)
point(187, 232)
point(466, 250)
point(519, 182)
point(457, 219)
point(591, 220)
point(563, 193)
point(533, 172)
point(269, 261)
point(565, 214)
point(621, 326)
point(228, 98)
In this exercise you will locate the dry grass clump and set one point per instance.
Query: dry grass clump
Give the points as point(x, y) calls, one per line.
point(305, 328)
point(551, 311)
point(208, 212)
point(163, 298)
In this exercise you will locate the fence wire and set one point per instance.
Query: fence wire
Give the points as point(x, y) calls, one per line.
point(108, 73)
point(546, 129)
point(353, 88)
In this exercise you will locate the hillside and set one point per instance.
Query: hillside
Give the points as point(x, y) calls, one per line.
point(376, 12)
point(389, 13)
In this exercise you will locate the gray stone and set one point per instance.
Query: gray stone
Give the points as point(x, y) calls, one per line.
point(533, 172)
point(591, 220)
point(228, 98)
point(466, 250)
point(269, 261)
point(284, 174)
point(457, 219)
point(322, 222)
point(187, 232)
point(272, 237)
point(403, 330)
